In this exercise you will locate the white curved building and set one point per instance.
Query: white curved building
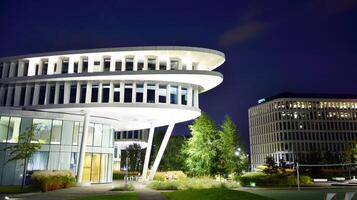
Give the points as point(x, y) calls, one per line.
point(84, 95)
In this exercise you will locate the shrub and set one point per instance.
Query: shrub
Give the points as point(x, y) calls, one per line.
point(119, 175)
point(164, 185)
point(128, 187)
point(188, 183)
point(170, 175)
point(53, 180)
point(262, 179)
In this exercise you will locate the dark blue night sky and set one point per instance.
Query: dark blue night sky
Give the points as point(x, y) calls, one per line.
point(270, 46)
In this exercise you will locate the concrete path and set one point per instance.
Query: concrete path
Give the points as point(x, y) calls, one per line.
point(145, 193)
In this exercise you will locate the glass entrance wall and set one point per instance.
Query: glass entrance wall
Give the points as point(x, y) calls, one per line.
point(97, 168)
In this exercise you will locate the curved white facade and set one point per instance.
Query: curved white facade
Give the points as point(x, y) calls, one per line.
point(135, 87)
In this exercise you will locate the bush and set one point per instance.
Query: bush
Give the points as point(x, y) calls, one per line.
point(119, 175)
point(53, 180)
point(262, 179)
point(164, 185)
point(170, 175)
point(128, 187)
point(188, 183)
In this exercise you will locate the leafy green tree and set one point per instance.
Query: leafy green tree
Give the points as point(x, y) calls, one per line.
point(233, 158)
point(24, 149)
point(135, 156)
point(172, 159)
point(201, 149)
point(271, 165)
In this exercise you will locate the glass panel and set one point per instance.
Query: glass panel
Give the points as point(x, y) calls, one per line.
point(42, 94)
point(51, 99)
point(4, 125)
point(56, 132)
point(90, 134)
point(128, 92)
point(75, 67)
point(44, 67)
point(83, 93)
point(14, 130)
point(118, 65)
point(129, 64)
point(42, 130)
point(106, 64)
point(26, 68)
point(106, 136)
point(67, 133)
point(65, 66)
point(151, 63)
point(73, 93)
point(65, 158)
point(151, 93)
point(87, 167)
point(32, 90)
point(162, 93)
point(162, 65)
point(184, 96)
point(95, 89)
point(61, 94)
point(104, 168)
point(95, 172)
point(139, 92)
point(22, 95)
point(76, 133)
point(73, 164)
point(140, 65)
point(116, 92)
point(85, 65)
point(105, 93)
point(38, 161)
point(53, 160)
point(98, 131)
point(173, 94)
point(174, 64)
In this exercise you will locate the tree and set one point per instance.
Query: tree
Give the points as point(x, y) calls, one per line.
point(233, 158)
point(271, 165)
point(24, 149)
point(201, 150)
point(172, 159)
point(135, 156)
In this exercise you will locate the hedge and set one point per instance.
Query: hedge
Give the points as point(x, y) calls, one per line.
point(263, 179)
point(119, 175)
point(53, 180)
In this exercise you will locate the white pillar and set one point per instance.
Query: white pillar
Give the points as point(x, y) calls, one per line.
point(161, 151)
point(147, 154)
point(82, 150)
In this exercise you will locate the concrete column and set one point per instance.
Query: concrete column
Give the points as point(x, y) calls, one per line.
point(161, 151)
point(111, 92)
point(148, 151)
point(47, 97)
point(189, 96)
point(156, 93)
point(179, 94)
point(168, 90)
point(17, 95)
point(133, 96)
point(82, 150)
point(100, 90)
point(122, 85)
point(145, 92)
point(67, 90)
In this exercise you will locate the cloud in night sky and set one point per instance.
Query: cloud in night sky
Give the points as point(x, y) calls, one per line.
point(243, 32)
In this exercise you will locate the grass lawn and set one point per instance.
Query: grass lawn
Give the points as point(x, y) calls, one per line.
point(121, 196)
point(213, 194)
point(304, 194)
point(16, 189)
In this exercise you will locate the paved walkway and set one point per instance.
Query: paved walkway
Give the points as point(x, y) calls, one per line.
point(145, 193)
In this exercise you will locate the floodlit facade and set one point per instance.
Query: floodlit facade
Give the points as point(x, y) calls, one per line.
point(78, 99)
point(304, 128)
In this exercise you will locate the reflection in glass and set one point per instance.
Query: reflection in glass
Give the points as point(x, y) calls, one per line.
point(162, 93)
point(139, 92)
point(173, 94)
point(56, 132)
point(14, 130)
point(42, 130)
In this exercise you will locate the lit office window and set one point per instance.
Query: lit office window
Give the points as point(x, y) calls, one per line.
point(140, 65)
point(4, 127)
point(162, 65)
point(85, 65)
point(184, 96)
point(106, 64)
point(116, 93)
point(42, 130)
point(174, 65)
point(97, 67)
point(38, 161)
point(75, 67)
point(82, 98)
point(73, 93)
point(65, 63)
point(42, 94)
point(151, 63)
point(51, 99)
point(95, 90)
point(173, 94)
point(118, 64)
point(44, 67)
point(67, 133)
point(162, 93)
point(61, 94)
point(139, 92)
point(151, 93)
point(105, 93)
point(128, 90)
point(129, 64)
point(56, 132)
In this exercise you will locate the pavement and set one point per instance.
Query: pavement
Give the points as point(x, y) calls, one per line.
point(145, 193)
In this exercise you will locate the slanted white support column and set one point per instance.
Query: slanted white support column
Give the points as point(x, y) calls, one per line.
point(161, 151)
point(82, 150)
point(147, 154)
